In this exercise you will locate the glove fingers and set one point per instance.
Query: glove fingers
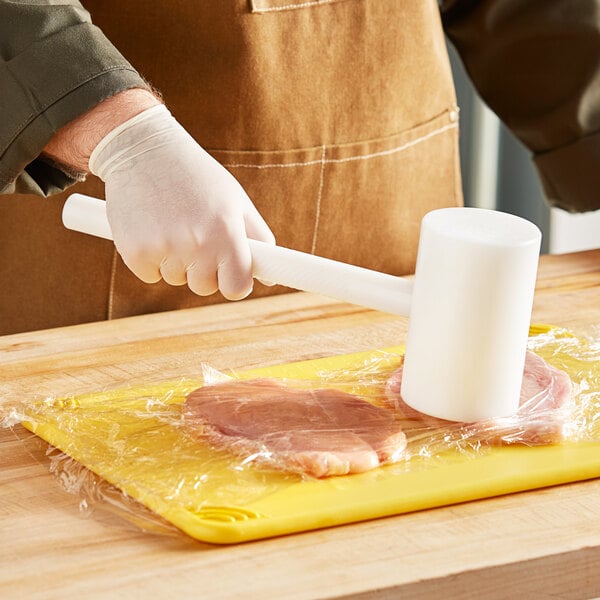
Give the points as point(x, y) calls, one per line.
point(235, 269)
point(202, 276)
point(173, 271)
point(257, 229)
point(142, 265)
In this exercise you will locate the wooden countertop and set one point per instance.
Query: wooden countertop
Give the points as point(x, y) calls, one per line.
point(538, 544)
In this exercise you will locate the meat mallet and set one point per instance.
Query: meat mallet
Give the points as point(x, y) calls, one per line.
point(469, 304)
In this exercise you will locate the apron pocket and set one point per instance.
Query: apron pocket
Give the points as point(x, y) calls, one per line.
point(359, 202)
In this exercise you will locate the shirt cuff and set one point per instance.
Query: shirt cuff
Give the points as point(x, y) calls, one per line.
point(50, 83)
point(571, 174)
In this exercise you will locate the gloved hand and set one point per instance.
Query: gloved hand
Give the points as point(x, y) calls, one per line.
point(174, 211)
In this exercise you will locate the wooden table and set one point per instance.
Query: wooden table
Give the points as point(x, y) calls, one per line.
point(537, 544)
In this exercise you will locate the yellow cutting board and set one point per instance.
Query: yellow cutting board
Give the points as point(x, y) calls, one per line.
point(134, 438)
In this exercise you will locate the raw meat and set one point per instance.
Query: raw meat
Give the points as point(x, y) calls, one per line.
point(320, 432)
point(545, 396)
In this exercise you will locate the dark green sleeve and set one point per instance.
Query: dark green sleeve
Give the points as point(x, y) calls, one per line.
point(537, 65)
point(54, 65)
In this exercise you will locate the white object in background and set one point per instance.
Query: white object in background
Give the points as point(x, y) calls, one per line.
point(470, 316)
point(572, 232)
point(469, 312)
point(485, 147)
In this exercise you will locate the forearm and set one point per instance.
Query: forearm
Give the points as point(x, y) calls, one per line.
point(55, 66)
point(73, 143)
point(536, 65)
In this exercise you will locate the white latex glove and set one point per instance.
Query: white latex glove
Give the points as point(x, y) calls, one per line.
point(174, 211)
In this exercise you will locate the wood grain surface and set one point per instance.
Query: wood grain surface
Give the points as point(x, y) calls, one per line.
point(540, 544)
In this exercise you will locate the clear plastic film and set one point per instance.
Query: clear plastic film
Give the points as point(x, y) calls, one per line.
point(231, 439)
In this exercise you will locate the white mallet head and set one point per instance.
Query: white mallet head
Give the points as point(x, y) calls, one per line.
point(470, 314)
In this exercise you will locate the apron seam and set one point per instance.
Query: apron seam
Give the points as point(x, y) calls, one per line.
point(293, 6)
point(368, 156)
point(111, 287)
point(319, 197)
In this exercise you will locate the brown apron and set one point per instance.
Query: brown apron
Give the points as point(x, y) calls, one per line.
point(337, 116)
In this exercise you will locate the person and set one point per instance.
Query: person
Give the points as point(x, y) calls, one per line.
point(330, 125)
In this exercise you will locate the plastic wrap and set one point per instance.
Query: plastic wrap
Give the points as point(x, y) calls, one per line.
point(228, 439)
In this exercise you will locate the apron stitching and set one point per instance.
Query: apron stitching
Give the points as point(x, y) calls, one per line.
point(111, 289)
point(319, 196)
point(349, 158)
point(294, 5)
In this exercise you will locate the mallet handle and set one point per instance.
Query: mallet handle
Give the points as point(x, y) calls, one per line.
point(276, 264)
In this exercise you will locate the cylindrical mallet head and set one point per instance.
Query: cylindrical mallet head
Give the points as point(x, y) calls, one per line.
point(470, 314)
